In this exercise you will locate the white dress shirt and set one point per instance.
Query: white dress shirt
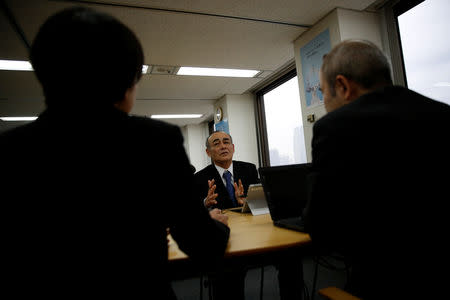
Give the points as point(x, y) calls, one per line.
point(222, 170)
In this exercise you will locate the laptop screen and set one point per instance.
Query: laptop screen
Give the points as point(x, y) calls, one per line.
point(285, 188)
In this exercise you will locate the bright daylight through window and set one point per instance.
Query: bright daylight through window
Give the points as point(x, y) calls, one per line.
point(426, 48)
point(284, 124)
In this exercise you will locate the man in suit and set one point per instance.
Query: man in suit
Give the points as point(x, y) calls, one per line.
point(211, 181)
point(85, 208)
point(213, 191)
point(224, 184)
point(378, 156)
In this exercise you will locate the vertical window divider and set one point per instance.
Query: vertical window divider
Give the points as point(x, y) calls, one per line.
point(261, 124)
point(261, 128)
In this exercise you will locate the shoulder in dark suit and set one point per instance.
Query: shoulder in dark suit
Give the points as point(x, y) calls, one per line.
point(378, 163)
point(244, 171)
point(89, 198)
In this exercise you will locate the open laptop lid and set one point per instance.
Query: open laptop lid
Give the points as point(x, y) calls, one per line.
point(285, 188)
point(256, 201)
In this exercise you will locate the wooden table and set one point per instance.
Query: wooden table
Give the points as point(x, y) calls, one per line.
point(251, 235)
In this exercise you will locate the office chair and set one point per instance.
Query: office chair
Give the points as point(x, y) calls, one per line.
point(205, 283)
point(331, 293)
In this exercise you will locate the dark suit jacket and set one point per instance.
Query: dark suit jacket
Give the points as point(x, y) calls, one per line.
point(378, 183)
point(86, 200)
point(241, 170)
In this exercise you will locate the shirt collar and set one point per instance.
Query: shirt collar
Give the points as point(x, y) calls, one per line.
point(222, 170)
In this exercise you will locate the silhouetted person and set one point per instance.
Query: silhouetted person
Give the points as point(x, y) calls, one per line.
point(379, 157)
point(86, 188)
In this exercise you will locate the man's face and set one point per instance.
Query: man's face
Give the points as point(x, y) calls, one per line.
point(331, 102)
point(220, 147)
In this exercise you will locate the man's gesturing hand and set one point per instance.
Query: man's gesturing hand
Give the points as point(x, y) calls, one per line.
point(239, 192)
point(211, 197)
point(219, 216)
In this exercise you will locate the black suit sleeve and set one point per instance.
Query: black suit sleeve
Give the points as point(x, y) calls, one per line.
point(201, 185)
point(327, 215)
point(249, 175)
point(254, 175)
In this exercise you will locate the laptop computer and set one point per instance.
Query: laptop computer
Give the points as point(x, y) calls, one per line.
point(255, 202)
point(285, 188)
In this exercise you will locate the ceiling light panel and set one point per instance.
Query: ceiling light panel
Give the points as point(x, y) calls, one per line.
point(12, 119)
point(178, 116)
point(15, 65)
point(196, 71)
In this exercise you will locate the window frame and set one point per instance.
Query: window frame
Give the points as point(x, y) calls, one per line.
point(403, 6)
point(391, 11)
point(398, 9)
point(261, 124)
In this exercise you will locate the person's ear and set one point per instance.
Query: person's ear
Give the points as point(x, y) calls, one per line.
point(208, 153)
point(347, 89)
point(127, 103)
point(343, 87)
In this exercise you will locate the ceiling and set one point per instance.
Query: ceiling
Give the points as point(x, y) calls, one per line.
point(251, 34)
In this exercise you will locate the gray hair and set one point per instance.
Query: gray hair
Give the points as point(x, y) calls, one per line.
point(207, 139)
point(358, 60)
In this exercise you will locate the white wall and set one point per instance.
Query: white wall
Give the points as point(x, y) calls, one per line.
point(185, 139)
point(194, 143)
point(360, 25)
point(239, 111)
point(342, 24)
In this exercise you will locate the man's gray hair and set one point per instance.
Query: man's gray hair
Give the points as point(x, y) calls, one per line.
point(358, 60)
point(207, 139)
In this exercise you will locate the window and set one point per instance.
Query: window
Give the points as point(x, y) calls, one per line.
point(426, 48)
point(281, 126)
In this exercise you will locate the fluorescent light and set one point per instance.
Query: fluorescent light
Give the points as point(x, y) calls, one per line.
point(15, 65)
point(144, 69)
point(183, 116)
point(18, 118)
point(216, 72)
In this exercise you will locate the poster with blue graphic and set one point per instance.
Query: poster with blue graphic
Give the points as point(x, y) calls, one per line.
point(311, 56)
point(222, 126)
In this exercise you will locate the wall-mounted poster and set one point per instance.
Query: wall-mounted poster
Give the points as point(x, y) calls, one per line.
point(311, 56)
point(222, 126)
